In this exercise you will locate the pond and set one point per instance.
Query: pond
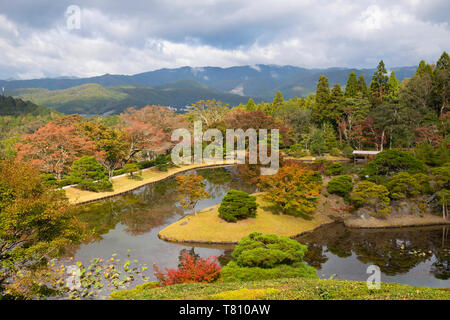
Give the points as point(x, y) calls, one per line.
point(418, 256)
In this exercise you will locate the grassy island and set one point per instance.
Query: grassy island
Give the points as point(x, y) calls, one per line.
point(207, 227)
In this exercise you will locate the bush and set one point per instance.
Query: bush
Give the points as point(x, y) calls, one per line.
point(101, 185)
point(237, 205)
point(89, 174)
point(335, 169)
point(369, 194)
point(342, 186)
point(192, 269)
point(259, 256)
point(234, 273)
point(403, 185)
point(162, 167)
point(293, 190)
point(335, 152)
point(131, 168)
point(390, 162)
point(347, 151)
point(297, 151)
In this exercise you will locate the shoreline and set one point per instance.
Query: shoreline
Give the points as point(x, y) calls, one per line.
point(72, 192)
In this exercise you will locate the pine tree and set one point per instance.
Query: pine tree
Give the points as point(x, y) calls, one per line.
point(443, 62)
point(322, 99)
point(251, 106)
point(441, 82)
point(394, 86)
point(424, 68)
point(379, 85)
point(336, 105)
point(351, 88)
point(362, 86)
point(277, 100)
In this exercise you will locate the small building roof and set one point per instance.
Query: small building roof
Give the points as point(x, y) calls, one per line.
point(363, 152)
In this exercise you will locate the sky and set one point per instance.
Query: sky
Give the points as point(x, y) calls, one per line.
point(82, 38)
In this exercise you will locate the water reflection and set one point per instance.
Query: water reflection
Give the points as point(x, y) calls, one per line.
point(418, 256)
point(132, 221)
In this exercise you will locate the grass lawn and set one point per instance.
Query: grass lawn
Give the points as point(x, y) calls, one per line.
point(123, 184)
point(282, 289)
point(206, 226)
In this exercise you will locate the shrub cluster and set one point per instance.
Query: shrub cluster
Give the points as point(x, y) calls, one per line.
point(89, 174)
point(335, 169)
point(237, 205)
point(258, 257)
point(341, 186)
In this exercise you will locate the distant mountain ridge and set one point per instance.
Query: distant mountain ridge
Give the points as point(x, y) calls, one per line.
point(93, 98)
point(256, 81)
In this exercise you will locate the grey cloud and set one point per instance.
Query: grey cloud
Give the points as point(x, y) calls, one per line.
point(136, 36)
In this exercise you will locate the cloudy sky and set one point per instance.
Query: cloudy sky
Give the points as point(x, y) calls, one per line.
point(41, 38)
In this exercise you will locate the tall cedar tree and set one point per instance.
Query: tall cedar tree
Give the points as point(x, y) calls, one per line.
point(351, 89)
point(322, 99)
point(379, 86)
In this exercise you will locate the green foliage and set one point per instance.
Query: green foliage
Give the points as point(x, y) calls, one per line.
point(131, 168)
point(36, 224)
point(351, 89)
point(335, 169)
point(342, 186)
point(89, 174)
point(403, 185)
point(259, 256)
point(232, 272)
point(99, 276)
point(289, 289)
point(442, 176)
point(95, 98)
point(237, 205)
point(375, 196)
point(432, 156)
point(390, 162)
point(318, 144)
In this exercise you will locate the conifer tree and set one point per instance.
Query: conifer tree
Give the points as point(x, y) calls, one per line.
point(351, 88)
point(379, 85)
point(362, 86)
point(394, 86)
point(251, 106)
point(277, 100)
point(322, 99)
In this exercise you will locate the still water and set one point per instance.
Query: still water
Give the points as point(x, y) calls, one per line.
point(418, 256)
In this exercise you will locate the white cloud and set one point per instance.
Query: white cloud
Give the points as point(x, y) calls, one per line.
point(225, 33)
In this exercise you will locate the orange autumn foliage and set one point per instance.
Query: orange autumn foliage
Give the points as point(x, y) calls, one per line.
point(293, 190)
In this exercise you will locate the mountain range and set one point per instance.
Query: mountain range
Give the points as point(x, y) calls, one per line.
point(179, 87)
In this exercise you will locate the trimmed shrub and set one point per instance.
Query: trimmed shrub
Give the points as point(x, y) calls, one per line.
point(131, 168)
point(403, 185)
point(341, 186)
point(372, 195)
point(89, 174)
point(390, 162)
point(237, 205)
point(335, 169)
point(259, 257)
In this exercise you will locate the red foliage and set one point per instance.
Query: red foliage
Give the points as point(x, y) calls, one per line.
point(243, 119)
point(150, 128)
point(53, 147)
point(428, 134)
point(191, 270)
